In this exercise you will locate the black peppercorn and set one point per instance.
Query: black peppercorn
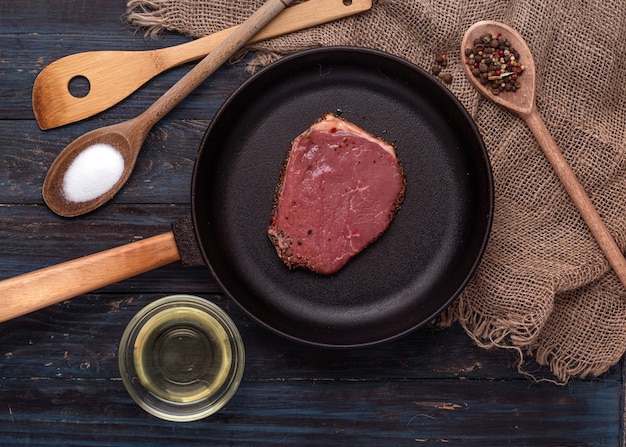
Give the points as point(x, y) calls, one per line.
point(441, 62)
point(495, 62)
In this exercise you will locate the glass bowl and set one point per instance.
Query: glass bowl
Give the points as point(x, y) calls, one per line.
point(181, 358)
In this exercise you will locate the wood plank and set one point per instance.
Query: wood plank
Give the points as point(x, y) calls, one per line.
point(78, 339)
point(319, 412)
point(65, 16)
point(26, 56)
point(163, 170)
point(39, 238)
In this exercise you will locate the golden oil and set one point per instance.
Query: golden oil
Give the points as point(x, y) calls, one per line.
point(181, 358)
point(182, 355)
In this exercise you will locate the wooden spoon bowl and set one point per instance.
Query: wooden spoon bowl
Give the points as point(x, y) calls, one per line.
point(123, 137)
point(522, 101)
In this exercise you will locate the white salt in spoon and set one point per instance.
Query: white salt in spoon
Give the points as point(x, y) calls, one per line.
point(522, 103)
point(73, 186)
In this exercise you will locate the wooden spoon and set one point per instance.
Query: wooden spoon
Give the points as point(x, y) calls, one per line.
point(114, 75)
point(127, 137)
point(522, 103)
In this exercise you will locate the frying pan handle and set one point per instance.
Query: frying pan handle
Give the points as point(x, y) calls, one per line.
point(33, 291)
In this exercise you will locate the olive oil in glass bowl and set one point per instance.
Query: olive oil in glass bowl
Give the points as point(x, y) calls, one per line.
point(181, 358)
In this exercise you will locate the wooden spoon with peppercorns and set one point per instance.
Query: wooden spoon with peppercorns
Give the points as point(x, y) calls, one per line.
point(520, 99)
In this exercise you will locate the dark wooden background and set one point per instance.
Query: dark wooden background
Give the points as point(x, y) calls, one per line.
point(59, 380)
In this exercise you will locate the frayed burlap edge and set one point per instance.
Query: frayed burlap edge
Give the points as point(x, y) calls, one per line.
point(146, 15)
point(543, 345)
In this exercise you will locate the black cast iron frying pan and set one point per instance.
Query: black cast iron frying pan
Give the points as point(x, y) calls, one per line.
point(399, 283)
point(424, 259)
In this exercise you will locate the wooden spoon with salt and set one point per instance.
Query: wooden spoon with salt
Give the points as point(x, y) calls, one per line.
point(127, 137)
point(522, 103)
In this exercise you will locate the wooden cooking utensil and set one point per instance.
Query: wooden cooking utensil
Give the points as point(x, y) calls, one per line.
point(114, 75)
point(522, 103)
point(127, 137)
point(35, 290)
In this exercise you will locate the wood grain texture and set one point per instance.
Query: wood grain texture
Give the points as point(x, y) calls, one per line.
point(59, 379)
point(41, 288)
point(365, 413)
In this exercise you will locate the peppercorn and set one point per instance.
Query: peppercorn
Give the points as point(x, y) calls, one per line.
point(495, 62)
point(441, 62)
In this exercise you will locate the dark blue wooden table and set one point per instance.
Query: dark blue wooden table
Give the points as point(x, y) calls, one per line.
point(59, 379)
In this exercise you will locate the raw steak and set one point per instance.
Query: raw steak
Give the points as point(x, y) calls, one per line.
point(339, 189)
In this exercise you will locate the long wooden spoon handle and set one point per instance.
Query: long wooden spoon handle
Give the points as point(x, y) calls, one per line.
point(211, 62)
point(578, 194)
point(35, 290)
point(296, 18)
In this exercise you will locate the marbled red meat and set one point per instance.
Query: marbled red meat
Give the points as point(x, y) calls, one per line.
point(339, 190)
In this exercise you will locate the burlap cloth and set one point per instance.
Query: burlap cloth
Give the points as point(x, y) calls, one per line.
point(544, 288)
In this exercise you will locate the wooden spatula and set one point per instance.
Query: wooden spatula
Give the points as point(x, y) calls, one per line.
point(114, 75)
